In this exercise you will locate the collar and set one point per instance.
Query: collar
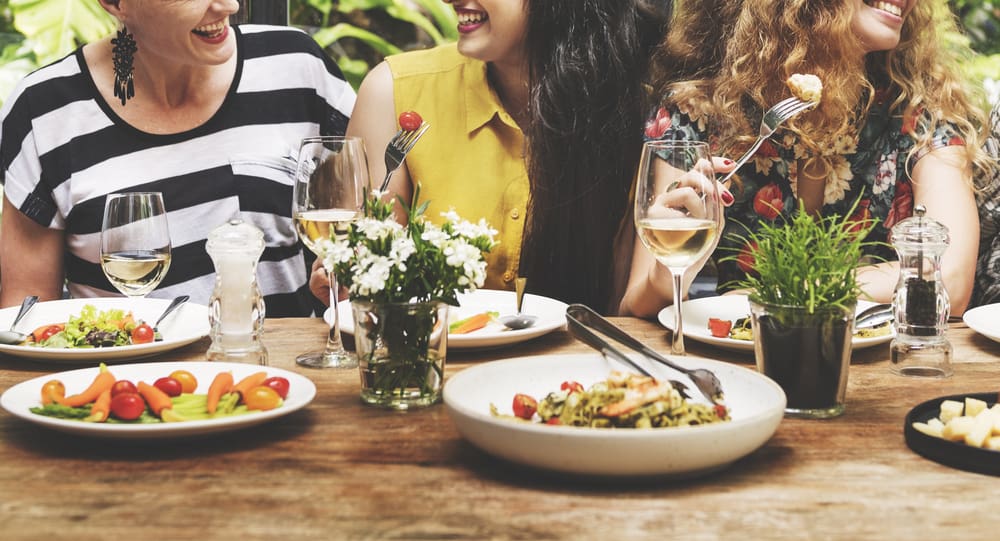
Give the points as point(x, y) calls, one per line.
point(482, 104)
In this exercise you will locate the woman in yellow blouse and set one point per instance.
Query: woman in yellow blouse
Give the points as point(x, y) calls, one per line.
point(536, 121)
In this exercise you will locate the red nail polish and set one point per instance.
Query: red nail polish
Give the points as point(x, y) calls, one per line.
point(728, 198)
point(727, 161)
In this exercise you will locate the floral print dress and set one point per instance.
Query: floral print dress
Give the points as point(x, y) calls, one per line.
point(871, 171)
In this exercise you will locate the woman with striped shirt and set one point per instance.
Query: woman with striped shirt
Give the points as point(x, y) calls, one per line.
point(178, 102)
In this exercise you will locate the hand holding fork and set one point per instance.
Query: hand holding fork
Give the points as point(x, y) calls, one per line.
point(397, 149)
point(773, 117)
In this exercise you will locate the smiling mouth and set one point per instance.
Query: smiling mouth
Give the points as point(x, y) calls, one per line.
point(887, 7)
point(467, 18)
point(211, 30)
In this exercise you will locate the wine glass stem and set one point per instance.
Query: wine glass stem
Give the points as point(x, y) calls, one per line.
point(333, 342)
point(677, 343)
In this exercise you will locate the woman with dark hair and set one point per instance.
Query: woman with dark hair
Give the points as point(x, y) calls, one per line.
point(536, 125)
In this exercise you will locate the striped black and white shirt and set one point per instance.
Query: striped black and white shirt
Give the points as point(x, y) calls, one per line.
point(63, 150)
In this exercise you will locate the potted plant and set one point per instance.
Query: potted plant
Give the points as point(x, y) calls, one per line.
point(400, 280)
point(803, 291)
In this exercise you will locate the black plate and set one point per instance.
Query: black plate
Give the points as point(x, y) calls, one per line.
point(950, 453)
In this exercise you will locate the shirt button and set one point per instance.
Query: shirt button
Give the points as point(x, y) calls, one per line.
point(508, 276)
point(515, 214)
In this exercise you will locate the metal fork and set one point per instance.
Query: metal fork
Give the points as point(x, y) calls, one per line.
point(581, 321)
point(397, 149)
point(773, 117)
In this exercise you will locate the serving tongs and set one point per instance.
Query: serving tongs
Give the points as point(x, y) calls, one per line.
point(583, 321)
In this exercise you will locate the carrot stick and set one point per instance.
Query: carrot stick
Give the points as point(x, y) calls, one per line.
point(101, 383)
point(222, 384)
point(101, 408)
point(249, 382)
point(156, 399)
point(470, 324)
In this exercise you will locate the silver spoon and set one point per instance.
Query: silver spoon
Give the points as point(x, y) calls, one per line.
point(173, 306)
point(520, 320)
point(873, 316)
point(13, 337)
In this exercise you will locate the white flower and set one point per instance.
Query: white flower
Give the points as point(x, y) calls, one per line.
point(401, 250)
point(474, 230)
point(435, 235)
point(886, 174)
point(335, 253)
point(378, 229)
point(370, 275)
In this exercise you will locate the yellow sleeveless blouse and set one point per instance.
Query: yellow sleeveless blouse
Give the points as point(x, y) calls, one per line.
point(472, 157)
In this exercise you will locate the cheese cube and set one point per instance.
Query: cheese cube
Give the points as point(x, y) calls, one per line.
point(982, 427)
point(926, 428)
point(957, 428)
point(973, 406)
point(950, 409)
point(993, 443)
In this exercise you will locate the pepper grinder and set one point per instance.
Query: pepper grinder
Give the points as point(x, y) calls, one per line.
point(920, 303)
point(236, 308)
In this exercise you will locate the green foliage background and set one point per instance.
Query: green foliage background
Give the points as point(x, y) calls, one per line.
point(358, 33)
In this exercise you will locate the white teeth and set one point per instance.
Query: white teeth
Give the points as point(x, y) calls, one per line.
point(888, 8)
point(471, 18)
point(211, 29)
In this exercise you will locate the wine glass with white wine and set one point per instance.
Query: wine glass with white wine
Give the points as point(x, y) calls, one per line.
point(678, 212)
point(331, 180)
point(135, 242)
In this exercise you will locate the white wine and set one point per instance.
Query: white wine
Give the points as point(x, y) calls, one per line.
point(313, 225)
point(677, 242)
point(135, 272)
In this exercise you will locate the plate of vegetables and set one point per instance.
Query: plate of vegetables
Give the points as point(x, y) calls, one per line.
point(103, 329)
point(724, 322)
point(507, 408)
point(474, 323)
point(158, 400)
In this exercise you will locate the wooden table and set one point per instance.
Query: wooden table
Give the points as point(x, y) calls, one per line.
point(341, 470)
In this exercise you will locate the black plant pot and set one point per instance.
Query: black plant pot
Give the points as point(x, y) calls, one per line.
point(807, 354)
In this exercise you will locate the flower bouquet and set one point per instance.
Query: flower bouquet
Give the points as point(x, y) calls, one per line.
point(401, 279)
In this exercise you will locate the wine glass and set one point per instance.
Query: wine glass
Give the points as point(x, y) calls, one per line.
point(331, 179)
point(678, 212)
point(135, 242)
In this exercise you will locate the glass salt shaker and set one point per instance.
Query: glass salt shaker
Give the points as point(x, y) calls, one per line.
point(920, 302)
point(236, 308)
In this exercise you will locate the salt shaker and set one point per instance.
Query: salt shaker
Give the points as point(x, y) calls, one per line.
point(236, 308)
point(920, 302)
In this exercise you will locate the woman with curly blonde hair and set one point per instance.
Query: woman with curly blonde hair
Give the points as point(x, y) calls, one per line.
point(895, 126)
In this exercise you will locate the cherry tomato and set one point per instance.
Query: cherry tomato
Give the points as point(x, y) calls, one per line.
point(721, 412)
point(572, 387)
point(46, 331)
point(127, 406)
point(719, 327)
point(188, 382)
point(143, 334)
point(524, 406)
point(279, 384)
point(262, 398)
point(123, 386)
point(52, 391)
point(170, 386)
point(554, 421)
point(409, 121)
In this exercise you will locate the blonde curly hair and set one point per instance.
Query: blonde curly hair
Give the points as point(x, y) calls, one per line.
point(729, 59)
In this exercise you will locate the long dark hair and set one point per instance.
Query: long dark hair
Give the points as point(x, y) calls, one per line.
point(588, 62)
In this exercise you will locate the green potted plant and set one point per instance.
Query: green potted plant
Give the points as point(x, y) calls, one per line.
point(803, 292)
point(400, 280)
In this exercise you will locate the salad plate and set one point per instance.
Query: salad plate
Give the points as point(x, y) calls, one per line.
point(756, 408)
point(189, 323)
point(985, 320)
point(696, 313)
point(551, 316)
point(25, 395)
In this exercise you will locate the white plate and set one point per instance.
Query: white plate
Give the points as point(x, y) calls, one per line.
point(551, 316)
point(696, 313)
point(19, 398)
point(756, 405)
point(985, 320)
point(187, 324)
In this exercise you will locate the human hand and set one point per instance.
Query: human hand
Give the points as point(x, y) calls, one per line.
point(319, 284)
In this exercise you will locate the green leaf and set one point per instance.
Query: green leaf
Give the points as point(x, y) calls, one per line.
point(327, 36)
point(56, 27)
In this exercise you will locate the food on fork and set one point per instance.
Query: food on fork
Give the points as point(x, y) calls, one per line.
point(410, 120)
point(805, 86)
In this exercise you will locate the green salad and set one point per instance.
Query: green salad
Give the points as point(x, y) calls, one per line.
point(94, 328)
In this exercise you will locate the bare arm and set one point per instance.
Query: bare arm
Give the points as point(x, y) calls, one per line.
point(31, 258)
point(942, 183)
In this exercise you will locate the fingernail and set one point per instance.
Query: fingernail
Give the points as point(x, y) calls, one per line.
point(728, 198)
point(727, 161)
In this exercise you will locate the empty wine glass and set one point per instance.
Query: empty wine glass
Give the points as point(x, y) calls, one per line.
point(135, 242)
point(678, 211)
point(331, 179)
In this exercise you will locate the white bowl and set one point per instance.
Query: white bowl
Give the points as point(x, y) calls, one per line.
point(756, 406)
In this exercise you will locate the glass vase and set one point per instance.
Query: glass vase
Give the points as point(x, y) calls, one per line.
point(807, 354)
point(401, 350)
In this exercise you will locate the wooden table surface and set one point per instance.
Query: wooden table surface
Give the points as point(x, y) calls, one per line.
point(342, 470)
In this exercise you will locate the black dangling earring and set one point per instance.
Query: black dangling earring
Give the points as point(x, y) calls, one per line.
point(123, 55)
